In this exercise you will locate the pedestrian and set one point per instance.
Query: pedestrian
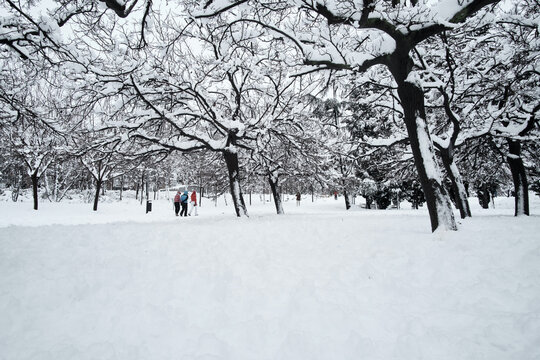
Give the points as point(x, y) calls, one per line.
point(177, 202)
point(193, 203)
point(183, 202)
point(298, 198)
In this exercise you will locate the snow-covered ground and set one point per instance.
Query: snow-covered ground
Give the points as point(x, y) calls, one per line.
point(317, 283)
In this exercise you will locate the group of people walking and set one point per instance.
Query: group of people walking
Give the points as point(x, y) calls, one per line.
point(181, 201)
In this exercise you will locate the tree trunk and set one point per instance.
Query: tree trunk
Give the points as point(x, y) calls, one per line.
point(142, 185)
point(201, 194)
point(273, 181)
point(35, 179)
point(48, 192)
point(56, 186)
point(99, 183)
point(483, 195)
point(347, 199)
point(231, 159)
point(121, 187)
point(343, 182)
point(521, 186)
point(155, 186)
point(147, 189)
point(438, 202)
point(466, 184)
point(457, 184)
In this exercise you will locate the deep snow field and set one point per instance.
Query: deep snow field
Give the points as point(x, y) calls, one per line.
point(316, 283)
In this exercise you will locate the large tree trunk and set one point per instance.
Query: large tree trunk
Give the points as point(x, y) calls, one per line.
point(231, 159)
point(521, 186)
point(35, 180)
point(99, 183)
point(457, 183)
point(437, 199)
point(273, 181)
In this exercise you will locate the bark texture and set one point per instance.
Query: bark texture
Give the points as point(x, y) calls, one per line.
point(519, 176)
point(437, 199)
point(273, 181)
point(456, 181)
point(35, 180)
point(347, 199)
point(231, 159)
point(99, 184)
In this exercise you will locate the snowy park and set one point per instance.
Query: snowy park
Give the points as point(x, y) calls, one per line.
point(317, 283)
point(269, 180)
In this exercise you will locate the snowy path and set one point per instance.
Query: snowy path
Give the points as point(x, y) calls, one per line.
point(315, 285)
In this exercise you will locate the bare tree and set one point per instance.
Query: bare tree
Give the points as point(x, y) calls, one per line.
point(395, 36)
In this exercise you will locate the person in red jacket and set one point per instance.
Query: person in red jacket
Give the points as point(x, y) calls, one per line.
point(193, 203)
point(177, 202)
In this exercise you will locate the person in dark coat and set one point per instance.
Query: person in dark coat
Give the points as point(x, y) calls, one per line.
point(177, 202)
point(184, 202)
